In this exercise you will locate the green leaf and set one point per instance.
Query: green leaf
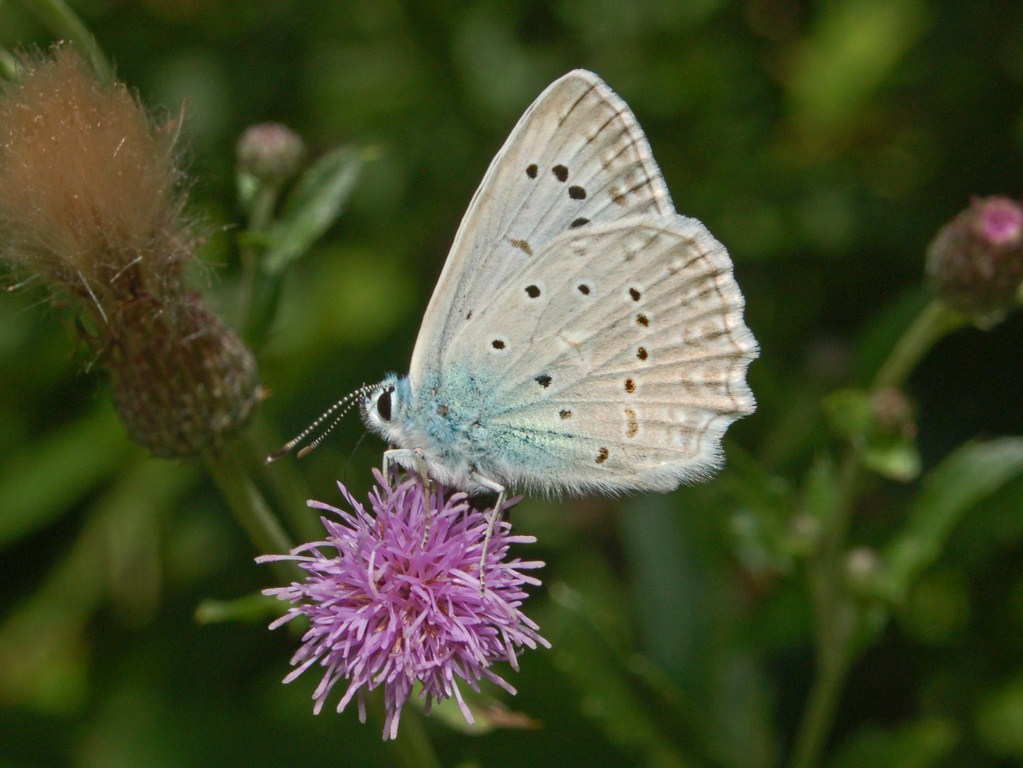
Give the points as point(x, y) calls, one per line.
point(47, 478)
point(111, 563)
point(312, 207)
point(849, 413)
point(961, 481)
point(247, 186)
point(250, 609)
point(820, 498)
point(1000, 720)
point(893, 458)
point(761, 527)
point(8, 64)
point(852, 49)
point(624, 692)
point(917, 745)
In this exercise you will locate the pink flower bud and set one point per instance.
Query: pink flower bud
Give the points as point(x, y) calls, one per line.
point(975, 262)
point(271, 152)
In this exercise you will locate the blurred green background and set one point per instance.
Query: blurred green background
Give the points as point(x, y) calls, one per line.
point(824, 143)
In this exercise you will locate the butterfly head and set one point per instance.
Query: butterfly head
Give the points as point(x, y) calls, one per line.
point(382, 405)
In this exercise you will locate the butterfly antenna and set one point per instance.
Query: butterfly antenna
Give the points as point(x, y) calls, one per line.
point(344, 405)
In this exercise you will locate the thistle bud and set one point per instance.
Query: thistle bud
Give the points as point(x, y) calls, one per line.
point(90, 202)
point(975, 263)
point(892, 414)
point(182, 381)
point(270, 152)
point(863, 566)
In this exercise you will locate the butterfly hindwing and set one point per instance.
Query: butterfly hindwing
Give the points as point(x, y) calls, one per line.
point(614, 359)
point(577, 158)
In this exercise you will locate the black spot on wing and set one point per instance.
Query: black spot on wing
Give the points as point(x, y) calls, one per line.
point(576, 192)
point(578, 223)
point(543, 380)
point(531, 170)
point(560, 173)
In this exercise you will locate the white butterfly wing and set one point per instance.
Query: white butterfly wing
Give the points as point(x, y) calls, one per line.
point(613, 360)
point(576, 158)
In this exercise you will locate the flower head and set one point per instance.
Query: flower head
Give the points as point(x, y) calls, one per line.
point(394, 598)
point(975, 262)
point(91, 204)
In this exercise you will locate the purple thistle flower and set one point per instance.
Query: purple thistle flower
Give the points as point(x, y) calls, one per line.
point(399, 599)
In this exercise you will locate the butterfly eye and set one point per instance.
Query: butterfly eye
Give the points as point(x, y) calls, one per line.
point(384, 404)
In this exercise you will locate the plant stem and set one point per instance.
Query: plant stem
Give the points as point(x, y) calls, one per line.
point(257, 293)
point(64, 23)
point(838, 615)
point(284, 484)
point(820, 713)
point(935, 321)
point(229, 472)
point(412, 748)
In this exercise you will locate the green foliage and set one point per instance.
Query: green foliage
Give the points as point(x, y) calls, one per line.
point(964, 479)
point(316, 202)
point(882, 442)
point(920, 745)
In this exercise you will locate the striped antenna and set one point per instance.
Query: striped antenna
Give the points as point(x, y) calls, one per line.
point(340, 408)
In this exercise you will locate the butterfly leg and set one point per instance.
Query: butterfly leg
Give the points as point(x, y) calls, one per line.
point(495, 516)
point(411, 460)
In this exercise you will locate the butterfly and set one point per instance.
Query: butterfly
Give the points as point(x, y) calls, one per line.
point(583, 337)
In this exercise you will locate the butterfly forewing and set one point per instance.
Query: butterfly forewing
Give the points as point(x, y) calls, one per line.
point(615, 358)
point(576, 159)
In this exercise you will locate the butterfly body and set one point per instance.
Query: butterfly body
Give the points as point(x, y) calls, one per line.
point(583, 336)
point(440, 425)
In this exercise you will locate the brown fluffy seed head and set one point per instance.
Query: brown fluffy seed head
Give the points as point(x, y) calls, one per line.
point(90, 202)
point(975, 262)
point(88, 187)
